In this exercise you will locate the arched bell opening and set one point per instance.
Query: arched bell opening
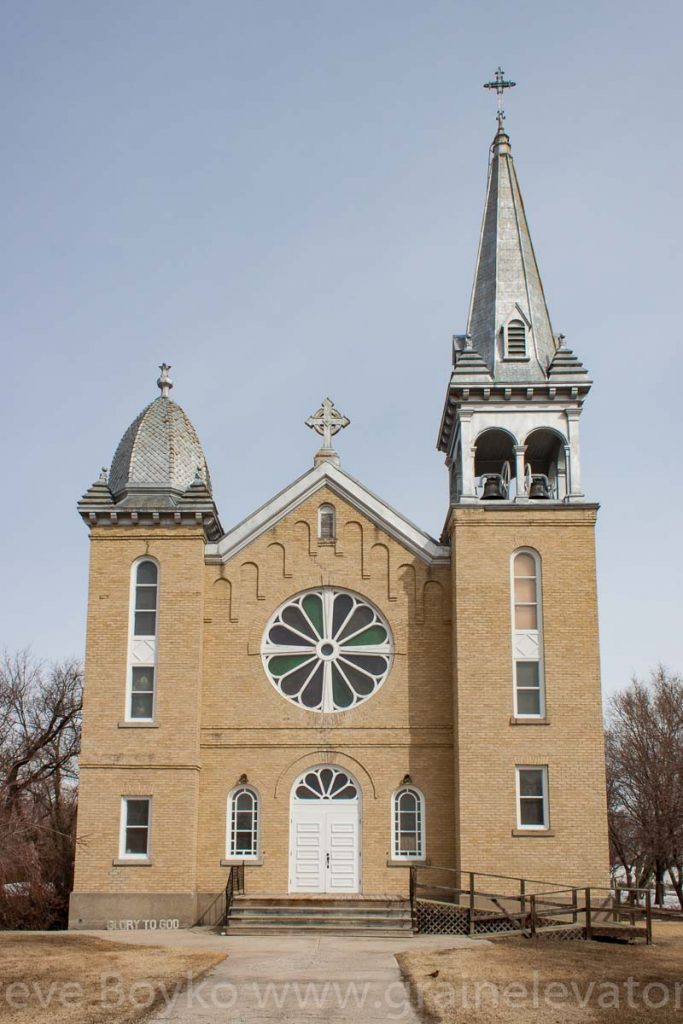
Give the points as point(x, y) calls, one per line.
point(545, 465)
point(494, 465)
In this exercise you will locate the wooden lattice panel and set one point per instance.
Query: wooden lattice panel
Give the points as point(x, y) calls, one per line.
point(441, 918)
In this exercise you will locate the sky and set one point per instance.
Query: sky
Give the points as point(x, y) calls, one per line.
point(283, 200)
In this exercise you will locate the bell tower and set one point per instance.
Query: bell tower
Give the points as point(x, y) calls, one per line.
point(526, 669)
point(510, 426)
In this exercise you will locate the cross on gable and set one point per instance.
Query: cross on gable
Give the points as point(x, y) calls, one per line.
point(327, 421)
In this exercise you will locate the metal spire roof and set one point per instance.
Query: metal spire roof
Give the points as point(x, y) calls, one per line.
point(507, 283)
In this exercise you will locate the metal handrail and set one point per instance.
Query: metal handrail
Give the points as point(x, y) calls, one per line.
point(234, 885)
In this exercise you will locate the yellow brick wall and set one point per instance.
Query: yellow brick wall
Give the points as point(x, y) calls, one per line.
point(219, 717)
point(117, 753)
point(487, 746)
point(246, 726)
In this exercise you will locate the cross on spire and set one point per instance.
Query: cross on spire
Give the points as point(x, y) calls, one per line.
point(327, 421)
point(500, 85)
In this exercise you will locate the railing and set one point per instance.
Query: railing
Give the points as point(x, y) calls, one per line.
point(483, 903)
point(217, 912)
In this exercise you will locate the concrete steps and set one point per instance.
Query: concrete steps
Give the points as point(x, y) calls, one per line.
point(295, 915)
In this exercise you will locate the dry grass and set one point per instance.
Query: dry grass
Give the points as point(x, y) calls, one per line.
point(61, 978)
point(514, 981)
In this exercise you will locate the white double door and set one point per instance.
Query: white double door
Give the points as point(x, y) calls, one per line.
point(324, 853)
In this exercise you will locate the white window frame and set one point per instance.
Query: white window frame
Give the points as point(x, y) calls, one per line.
point(533, 637)
point(139, 646)
point(421, 853)
point(325, 509)
point(543, 768)
point(123, 855)
point(230, 853)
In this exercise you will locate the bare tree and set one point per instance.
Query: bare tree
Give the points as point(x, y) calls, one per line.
point(40, 719)
point(644, 746)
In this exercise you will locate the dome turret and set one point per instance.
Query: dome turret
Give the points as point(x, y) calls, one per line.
point(159, 466)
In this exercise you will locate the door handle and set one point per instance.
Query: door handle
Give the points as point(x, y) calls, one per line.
point(328, 859)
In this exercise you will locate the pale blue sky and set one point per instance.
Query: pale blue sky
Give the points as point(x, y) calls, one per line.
point(282, 199)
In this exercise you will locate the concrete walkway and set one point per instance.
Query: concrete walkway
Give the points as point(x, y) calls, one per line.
point(294, 979)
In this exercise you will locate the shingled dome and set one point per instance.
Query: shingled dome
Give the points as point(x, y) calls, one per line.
point(160, 451)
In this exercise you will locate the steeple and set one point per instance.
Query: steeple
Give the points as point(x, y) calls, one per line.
point(508, 319)
point(510, 421)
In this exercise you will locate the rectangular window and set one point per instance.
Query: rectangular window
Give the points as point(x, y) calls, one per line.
point(135, 826)
point(532, 797)
point(142, 693)
point(528, 689)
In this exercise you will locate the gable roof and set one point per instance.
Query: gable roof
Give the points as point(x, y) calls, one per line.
point(346, 487)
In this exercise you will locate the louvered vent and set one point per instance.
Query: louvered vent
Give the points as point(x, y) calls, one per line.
point(516, 340)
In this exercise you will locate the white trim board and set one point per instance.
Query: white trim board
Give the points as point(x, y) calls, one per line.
point(346, 487)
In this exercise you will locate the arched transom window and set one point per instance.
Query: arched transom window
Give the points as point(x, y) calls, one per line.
point(243, 823)
point(408, 824)
point(327, 650)
point(326, 784)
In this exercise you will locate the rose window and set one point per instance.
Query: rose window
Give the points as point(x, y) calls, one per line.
point(327, 650)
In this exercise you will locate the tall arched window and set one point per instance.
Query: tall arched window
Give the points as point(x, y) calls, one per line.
point(140, 696)
point(515, 339)
point(327, 526)
point(243, 824)
point(527, 635)
point(408, 824)
point(146, 587)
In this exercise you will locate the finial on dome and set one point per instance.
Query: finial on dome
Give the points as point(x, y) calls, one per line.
point(164, 382)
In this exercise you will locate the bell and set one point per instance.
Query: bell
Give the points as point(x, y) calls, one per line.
point(493, 488)
point(539, 488)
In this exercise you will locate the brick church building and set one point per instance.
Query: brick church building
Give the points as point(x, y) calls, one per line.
point(325, 693)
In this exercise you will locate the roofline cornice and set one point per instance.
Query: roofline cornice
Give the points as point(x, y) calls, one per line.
point(345, 487)
point(509, 394)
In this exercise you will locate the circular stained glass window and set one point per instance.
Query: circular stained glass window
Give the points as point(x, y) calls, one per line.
point(327, 650)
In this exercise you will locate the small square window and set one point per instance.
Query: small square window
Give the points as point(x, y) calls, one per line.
point(532, 797)
point(135, 826)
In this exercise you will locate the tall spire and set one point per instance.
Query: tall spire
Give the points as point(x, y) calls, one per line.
point(507, 282)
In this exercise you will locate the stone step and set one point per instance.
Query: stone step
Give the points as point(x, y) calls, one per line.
point(325, 914)
point(310, 910)
point(369, 902)
point(317, 929)
point(341, 921)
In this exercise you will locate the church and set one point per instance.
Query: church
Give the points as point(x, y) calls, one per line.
point(327, 696)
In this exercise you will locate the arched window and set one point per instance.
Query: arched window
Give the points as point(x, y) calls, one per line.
point(243, 824)
point(408, 831)
point(140, 695)
point(146, 587)
point(527, 638)
point(515, 340)
point(327, 525)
